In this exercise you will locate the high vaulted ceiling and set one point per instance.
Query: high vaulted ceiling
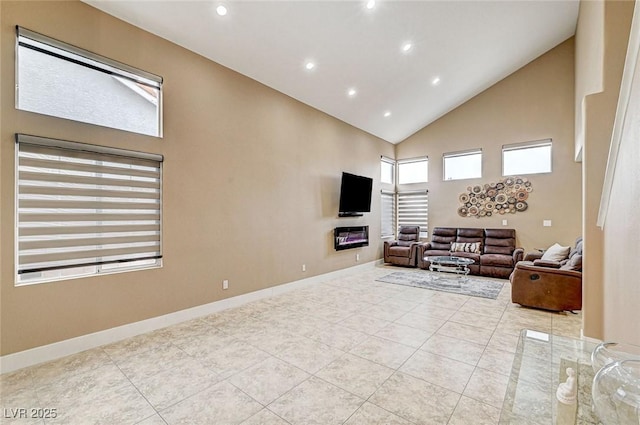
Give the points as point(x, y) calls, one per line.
point(409, 62)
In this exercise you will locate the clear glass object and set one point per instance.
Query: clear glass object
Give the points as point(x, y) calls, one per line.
point(616, 393)
point(609, 352)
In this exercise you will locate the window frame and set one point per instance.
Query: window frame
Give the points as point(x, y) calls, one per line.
point(392, 163)
point(460, 154)
point(415, 160)
point(86, 165)
point(528, 145)
point(122, 72)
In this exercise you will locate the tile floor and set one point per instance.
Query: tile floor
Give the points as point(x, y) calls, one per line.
point(349, 351)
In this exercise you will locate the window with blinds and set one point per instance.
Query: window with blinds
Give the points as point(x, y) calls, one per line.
point(387, 214)
point(413, 210)
point(85, 209)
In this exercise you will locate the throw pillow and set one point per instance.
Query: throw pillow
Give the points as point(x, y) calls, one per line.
point(466, 247)
point(556, 252)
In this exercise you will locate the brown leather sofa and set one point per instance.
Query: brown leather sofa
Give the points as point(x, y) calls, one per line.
point(404, 251)
point(498, 252)
point(549, 285)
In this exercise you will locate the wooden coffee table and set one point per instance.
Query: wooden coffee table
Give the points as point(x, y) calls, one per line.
point(458, 265)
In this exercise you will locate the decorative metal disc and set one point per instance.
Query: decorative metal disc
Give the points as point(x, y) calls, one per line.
point(501, 198)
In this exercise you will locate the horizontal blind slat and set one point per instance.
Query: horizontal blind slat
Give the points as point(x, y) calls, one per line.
point(80, 242)
point(92, 193)
point(61, 265)
point(80, 230)
point(26, 259)
point(97, 205)
point(68, 155)
point(85, 180)
point(91, 261)
point(52, 164)
point(54, 217)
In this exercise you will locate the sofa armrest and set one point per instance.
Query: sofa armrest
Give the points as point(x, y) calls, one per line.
point(424, 246)
point(416, 250)
point(387, 246)
point(531, 256)
point(518, 253)
point(547, 263)
point(557, 273)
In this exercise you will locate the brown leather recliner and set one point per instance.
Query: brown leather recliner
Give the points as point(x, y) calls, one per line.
point(549, 285)
point(404, 251)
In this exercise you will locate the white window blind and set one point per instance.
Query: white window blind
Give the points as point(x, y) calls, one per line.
point(388, 214)
point(82, 207)
point(413, 208)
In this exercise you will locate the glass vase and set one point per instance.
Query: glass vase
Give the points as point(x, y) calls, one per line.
point(609, 352)
point(616, 393)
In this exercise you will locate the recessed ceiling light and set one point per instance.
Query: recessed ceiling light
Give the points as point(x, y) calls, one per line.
point(435, 81)
point(352, 92)
point(371, 4)
point(406, 47)
point(309, 65)
point(221, 10)
point(387, 114)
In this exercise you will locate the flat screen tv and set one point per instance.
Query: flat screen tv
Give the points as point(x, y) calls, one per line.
point(355, 195)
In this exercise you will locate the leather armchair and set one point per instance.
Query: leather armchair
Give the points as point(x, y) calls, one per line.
point(404, 251)
point(549, 285)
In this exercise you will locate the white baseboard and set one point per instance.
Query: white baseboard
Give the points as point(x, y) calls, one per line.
point(45, 353)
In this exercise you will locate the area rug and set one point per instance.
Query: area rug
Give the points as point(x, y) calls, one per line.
point(474, 286)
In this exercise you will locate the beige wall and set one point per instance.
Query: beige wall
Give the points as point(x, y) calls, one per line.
point(251, 182)
point(599, 115)
point(536, 102)
point(589, 61)
point(621, 233)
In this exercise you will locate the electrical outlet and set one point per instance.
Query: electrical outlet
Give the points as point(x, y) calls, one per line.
point(304, 267)
point(504, 222)
point(225, 284)
point(546, 223)
point(357, 257)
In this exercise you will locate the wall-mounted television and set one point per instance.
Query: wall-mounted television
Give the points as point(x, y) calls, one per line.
point(355, 195)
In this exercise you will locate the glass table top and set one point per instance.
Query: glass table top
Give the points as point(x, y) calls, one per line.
point(445, 260)
point(538, 368)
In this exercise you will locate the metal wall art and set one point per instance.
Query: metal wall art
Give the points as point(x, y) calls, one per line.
point(507, 196)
